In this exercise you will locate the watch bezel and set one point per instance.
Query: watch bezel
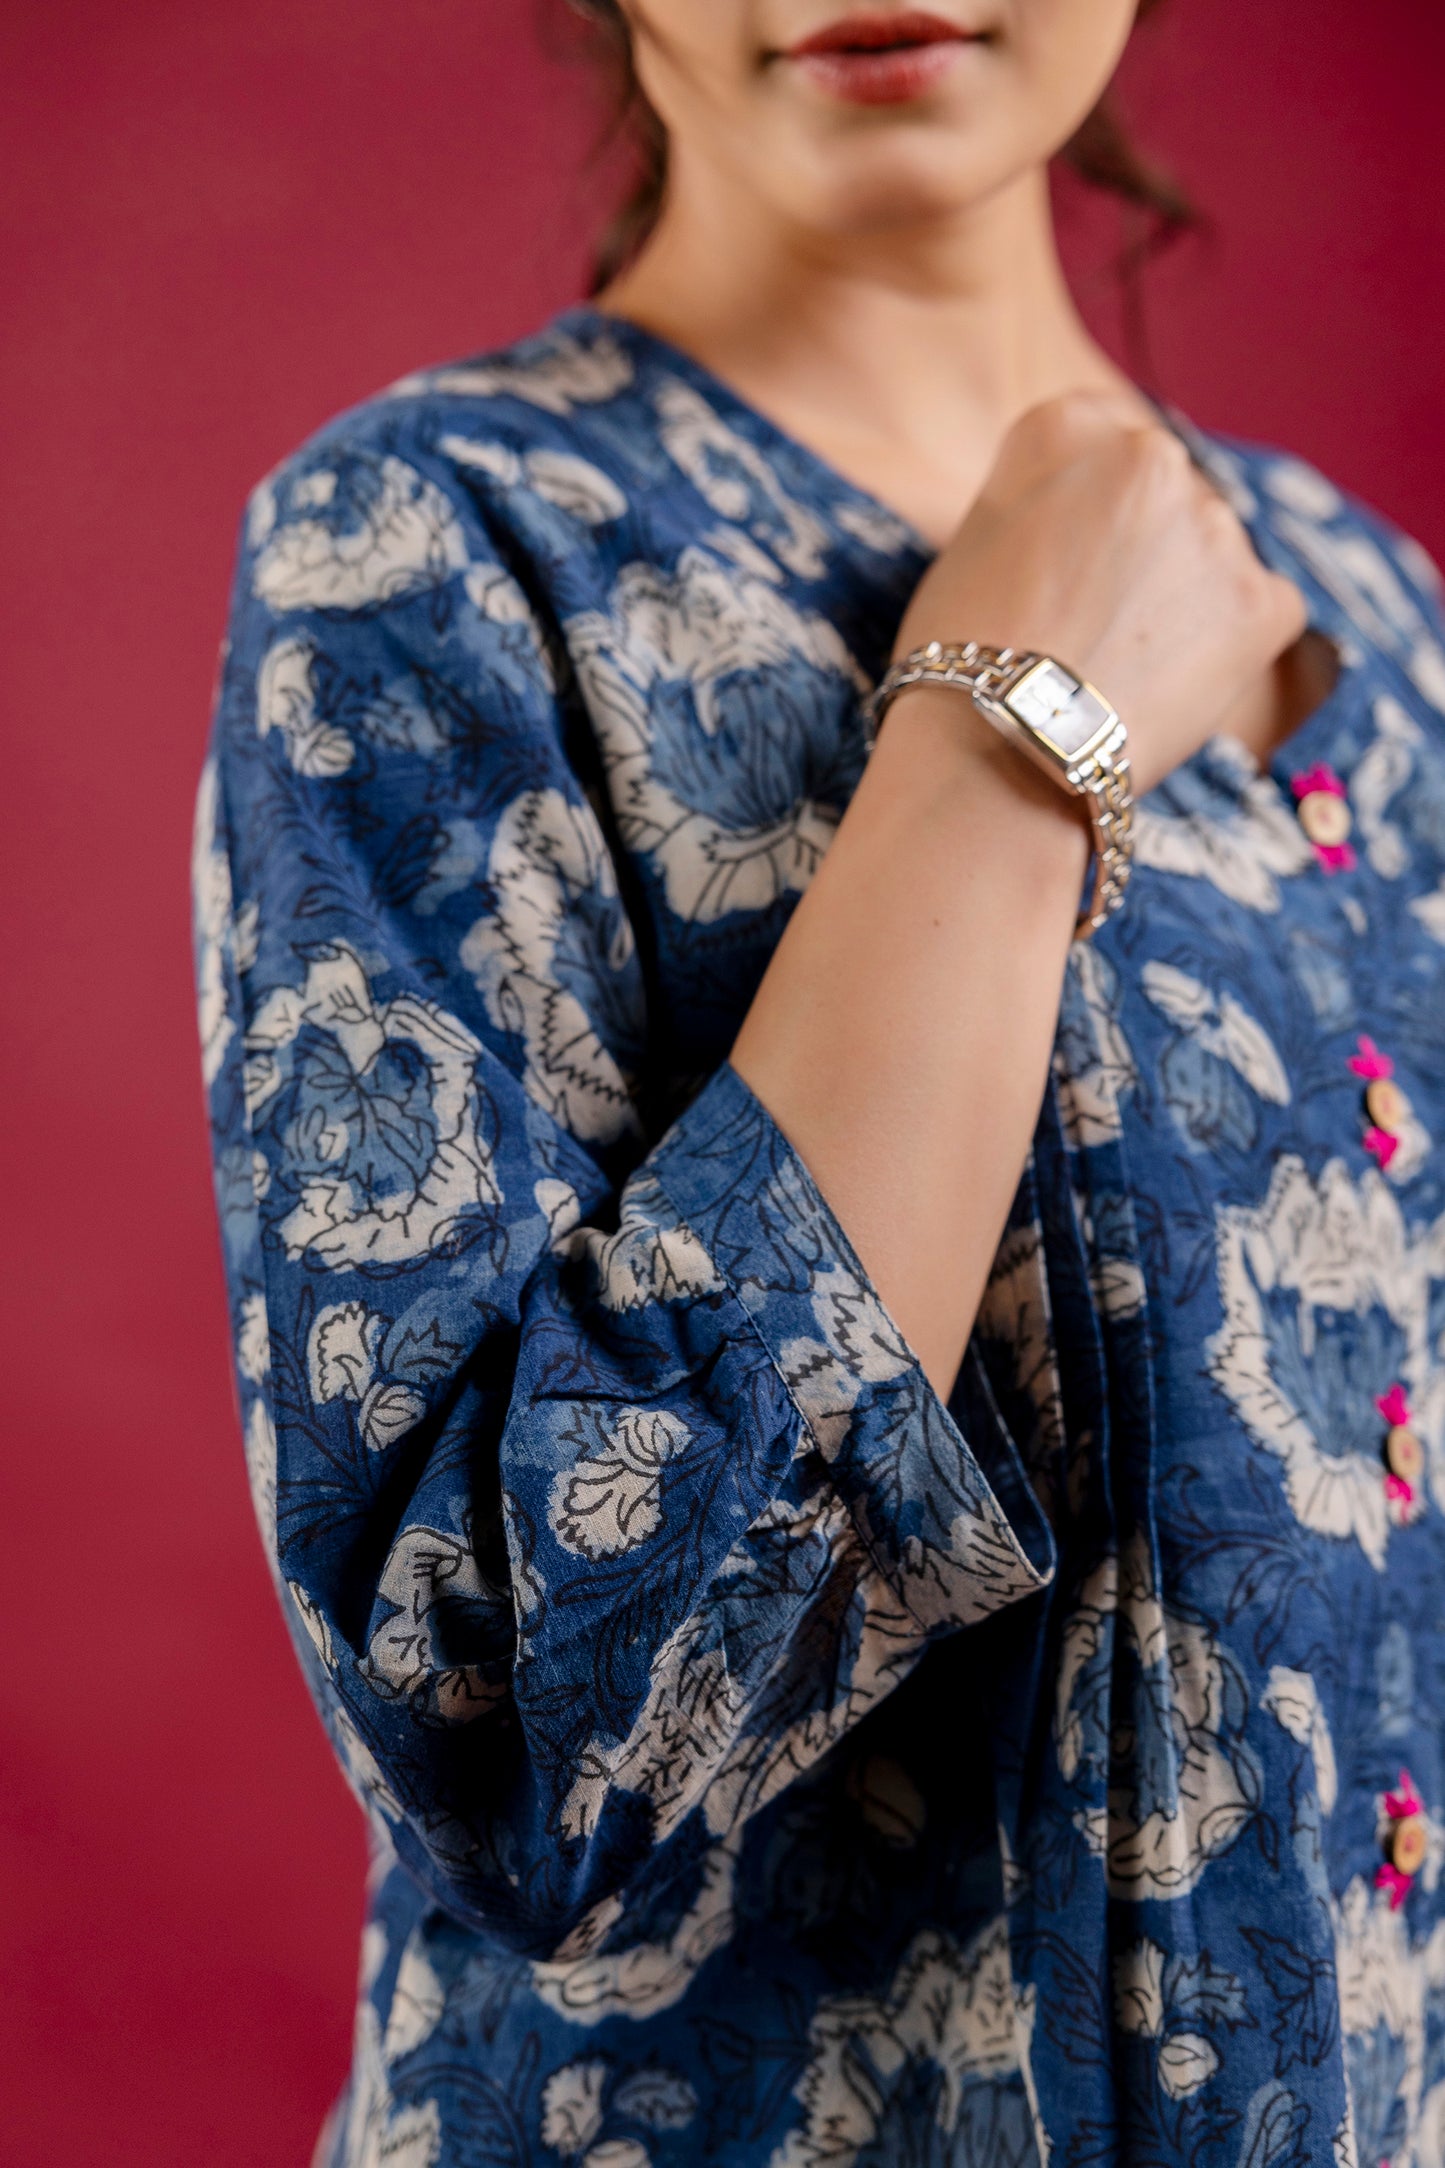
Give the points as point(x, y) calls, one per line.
point(1041, 747)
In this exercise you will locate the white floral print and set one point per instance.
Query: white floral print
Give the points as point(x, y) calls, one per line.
point(612, 1499)
point(428, 1111)
point(1312, 1254)
point(950, 2018)
point(548, 867)
point(395, 532)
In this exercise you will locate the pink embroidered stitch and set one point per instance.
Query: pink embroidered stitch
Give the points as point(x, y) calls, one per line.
point(1336, 857)
point(1405, 1801)
point(1319, 777)
point(1369, 1061)
point(1390, 1878)
point(1381, 1144)
point(1394, 1405)
point(1398, 1490)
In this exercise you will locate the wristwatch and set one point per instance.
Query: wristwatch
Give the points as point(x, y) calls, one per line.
point(1063, 724)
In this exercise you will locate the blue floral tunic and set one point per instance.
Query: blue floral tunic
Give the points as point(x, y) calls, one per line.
point(768, 1764)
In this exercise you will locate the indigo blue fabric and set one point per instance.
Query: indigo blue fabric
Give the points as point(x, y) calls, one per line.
point(767, 1763)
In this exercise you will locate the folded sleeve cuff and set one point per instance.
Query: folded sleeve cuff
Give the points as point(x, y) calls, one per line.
point(951, 1521)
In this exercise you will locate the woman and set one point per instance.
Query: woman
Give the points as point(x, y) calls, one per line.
point(858, 1473)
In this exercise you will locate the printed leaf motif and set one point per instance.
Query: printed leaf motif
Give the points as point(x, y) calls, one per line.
point(1275, 2131)
point(1194, 1987)
point(572, 2106)
point(1186, 2061)
point(659, 2097)
point(1305, 1991)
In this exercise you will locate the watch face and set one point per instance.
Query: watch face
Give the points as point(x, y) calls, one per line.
point(1063, 712)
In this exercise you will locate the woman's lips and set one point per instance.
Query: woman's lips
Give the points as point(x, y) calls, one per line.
point(880, 59)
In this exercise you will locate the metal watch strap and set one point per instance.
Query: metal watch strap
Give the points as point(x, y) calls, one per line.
point(1108, 790)
point(1100, 777)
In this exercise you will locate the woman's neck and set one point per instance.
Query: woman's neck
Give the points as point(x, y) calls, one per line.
point(901, 358)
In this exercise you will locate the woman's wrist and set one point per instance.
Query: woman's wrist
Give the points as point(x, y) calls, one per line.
point(937, 758)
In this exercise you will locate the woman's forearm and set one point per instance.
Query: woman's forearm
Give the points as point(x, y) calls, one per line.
point(902, 1033)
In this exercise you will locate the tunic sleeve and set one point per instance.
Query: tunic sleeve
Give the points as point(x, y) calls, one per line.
point(602, 1493)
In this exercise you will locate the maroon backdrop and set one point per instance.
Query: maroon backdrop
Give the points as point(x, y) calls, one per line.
point(221, 223)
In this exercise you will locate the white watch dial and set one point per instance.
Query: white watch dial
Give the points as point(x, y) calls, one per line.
point(1062, 711)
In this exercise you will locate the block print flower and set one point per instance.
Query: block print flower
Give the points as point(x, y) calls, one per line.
point(572, 2106)
point(859, 1345)
point(1015, 1325)
point(575, 2107)
point(736, 480)
point(659, 2097)
point(1430, 911)
point(612, 1499)
point(260, 1437)
point(341, 1350)
point(376, 1111)
point(554, 959)
point(561, 480)
point(370, 532)
point(1150, 1711)
point(934, 2070)
point(286, 703)
point(1219, 1066)
point(650, 1256)
point(1326, 1293)
point(716, 701)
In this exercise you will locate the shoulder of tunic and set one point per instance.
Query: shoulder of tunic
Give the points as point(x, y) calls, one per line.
point(516, 414)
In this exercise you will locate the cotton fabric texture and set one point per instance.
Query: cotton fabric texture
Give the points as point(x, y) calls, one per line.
point(767, 1763)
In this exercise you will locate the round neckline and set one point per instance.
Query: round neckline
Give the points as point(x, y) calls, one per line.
point(1290, 757)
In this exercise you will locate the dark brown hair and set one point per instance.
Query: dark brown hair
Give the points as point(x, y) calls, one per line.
point(1100, 152)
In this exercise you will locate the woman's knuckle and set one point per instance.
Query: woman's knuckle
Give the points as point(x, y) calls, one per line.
point(1157, 460)
point(1054, 424)
point(1218, 522)
point(1289, 603)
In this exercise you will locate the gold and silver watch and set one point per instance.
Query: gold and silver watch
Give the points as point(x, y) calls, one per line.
point(1059, 720)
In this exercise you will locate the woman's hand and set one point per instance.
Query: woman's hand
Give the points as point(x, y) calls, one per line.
point(1097, 540)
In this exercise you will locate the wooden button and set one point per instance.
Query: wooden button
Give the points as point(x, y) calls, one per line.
point(1409, 1842)
point(1404, 1454)
point(1386, 1105)
point(1325, 817)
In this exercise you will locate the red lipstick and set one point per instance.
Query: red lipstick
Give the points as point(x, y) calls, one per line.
point(880, 59)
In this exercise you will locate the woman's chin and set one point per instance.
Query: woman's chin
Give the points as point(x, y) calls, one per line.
point(882, 186)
